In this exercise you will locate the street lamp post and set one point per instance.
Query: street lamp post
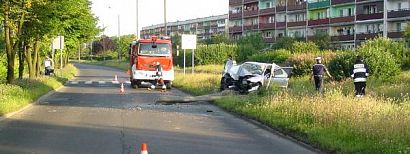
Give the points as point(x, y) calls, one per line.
point(119, 38)
point(136, 14)
point(165, 17)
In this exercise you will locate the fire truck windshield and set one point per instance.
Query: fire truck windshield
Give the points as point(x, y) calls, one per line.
point(160, 49)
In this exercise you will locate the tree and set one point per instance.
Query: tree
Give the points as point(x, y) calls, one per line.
point(14, 15)
point(284, 43)
point(323, 40)
point(249, 45)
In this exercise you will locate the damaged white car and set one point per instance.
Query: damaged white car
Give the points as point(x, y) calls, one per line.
point(251, 76)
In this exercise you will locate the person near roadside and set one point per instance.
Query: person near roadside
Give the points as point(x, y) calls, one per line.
point(159, 81)
point(318, 72)
point(229, 63)
point(48, 66)
point(360, 72)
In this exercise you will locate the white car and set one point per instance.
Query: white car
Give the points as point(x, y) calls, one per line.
point(251, 76)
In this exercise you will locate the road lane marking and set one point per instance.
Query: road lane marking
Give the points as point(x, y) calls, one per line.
point(115, 82)
point(88, 82)
point(101, 82)
point(74, 82)
point(127, 82)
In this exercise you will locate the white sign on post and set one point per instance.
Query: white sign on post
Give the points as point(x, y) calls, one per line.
point(58, 43)
point(189, 42)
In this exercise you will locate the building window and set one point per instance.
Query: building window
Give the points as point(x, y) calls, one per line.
point(271, 19)
point(267, 34)
point(350, 12)
point(341, 13)
point(370, 9)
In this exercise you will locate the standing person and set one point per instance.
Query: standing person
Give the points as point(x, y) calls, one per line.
point(48, 65)
point(318, 72)
point(229, 63)
point(360, 73)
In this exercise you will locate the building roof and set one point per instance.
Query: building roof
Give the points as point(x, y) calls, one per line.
point(191, 21)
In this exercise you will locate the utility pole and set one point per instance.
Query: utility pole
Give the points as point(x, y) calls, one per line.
point(136, 14)
point(119, 39)
point(165, 17)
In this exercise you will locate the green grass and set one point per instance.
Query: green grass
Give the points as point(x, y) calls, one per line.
point(122, 65)
point(24, 92)
point(338, 122)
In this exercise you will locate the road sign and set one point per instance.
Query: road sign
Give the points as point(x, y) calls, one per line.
point(188, 41)
point(58, 43)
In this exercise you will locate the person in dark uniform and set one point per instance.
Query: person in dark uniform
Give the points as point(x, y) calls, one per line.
point(318, 72)
point(360, 73)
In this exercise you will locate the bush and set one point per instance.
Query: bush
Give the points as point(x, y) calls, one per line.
point(302, 63)
point(304, 47)
point(249, 45)
point(381, 55)
point(278, 56)
point(341, 66)
point(207, 54)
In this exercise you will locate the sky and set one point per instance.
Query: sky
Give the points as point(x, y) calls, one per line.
point(151, 12)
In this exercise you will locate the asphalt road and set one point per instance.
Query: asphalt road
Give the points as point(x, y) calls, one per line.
point(89, 115)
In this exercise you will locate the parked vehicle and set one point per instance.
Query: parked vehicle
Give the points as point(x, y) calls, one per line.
point(144, 56)
point(251, 76)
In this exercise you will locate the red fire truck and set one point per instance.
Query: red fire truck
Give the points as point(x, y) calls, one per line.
point(144, 55)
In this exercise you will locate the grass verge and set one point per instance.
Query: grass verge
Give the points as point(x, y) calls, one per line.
point(24, 92)
point(338, 122)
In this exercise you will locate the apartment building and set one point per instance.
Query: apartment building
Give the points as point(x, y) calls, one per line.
point(348, 22)
point(204, 28)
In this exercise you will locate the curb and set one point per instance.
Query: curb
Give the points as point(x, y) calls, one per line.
point(8, 115)
point(272, 130)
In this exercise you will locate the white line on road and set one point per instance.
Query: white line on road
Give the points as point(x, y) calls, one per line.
point(88, 82)
point(101, 82)
point(73, 82)
point(115, 82)
point(127, 82)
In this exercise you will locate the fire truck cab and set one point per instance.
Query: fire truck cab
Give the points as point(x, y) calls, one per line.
point(144, 54)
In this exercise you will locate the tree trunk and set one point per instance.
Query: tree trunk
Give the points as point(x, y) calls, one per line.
point(35, 58)
point(21, 59)
point(8, 41)
point(29, 60)
point(38, 66)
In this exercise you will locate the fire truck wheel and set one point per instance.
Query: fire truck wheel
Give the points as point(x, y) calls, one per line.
point(133, 84)
point(168, 85)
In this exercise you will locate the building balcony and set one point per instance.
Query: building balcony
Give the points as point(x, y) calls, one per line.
point(280, 24)
point(336, 2)
point(235, 15)
point(369, 16)
point(341, 19)
point(235, 29)
point(296, 23)
point(264, 26)
point(343, 38)
point(267, 11)
point(235, 2)
point(250, 13)
point(367, 36)
point(357, 1)
point(269, 39)
point(318, 5)
point(398, 13)
point(250, 1)
point(395, 34)
point(250, 27)
point(280, 8)
point(297, 7)
point(318, 22)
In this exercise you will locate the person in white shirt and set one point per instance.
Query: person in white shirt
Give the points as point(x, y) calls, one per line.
point(49, 66)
